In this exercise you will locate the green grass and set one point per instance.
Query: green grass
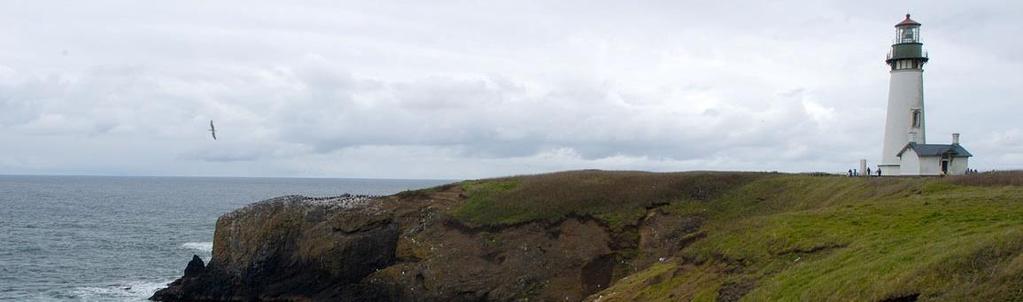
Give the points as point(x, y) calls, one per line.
point(618, 198)
point(791, 237)
point(801, 238)
point(484, 197)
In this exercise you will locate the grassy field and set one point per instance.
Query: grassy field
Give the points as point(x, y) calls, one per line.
point(617, 197)
point(778, 237)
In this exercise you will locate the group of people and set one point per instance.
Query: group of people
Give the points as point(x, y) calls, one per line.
point(855, 172)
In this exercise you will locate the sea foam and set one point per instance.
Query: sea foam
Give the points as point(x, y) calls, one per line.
point(127, 290)
point(206, 247)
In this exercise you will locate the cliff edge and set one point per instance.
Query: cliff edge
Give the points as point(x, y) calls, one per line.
point(626, 236)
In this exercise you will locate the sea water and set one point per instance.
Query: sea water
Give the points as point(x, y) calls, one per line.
point(94, 238)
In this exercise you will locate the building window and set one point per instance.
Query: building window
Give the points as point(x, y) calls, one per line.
point(916, 118)
point(907, 35)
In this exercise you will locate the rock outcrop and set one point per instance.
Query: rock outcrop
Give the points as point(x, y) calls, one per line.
point(195, 267)
point(405, 248)
point(291, 248)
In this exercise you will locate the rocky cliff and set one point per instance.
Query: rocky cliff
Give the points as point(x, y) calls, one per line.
point(618, 236)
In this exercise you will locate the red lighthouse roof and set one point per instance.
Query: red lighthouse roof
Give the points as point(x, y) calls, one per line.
point(907, 22)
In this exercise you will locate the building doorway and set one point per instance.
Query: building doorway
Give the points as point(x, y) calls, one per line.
point(944, 167)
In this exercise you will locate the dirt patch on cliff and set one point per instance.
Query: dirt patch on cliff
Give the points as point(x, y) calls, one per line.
point(557, 261)
point(734, 290)
point(596, 275)
point(912, 297)
point(661, 235)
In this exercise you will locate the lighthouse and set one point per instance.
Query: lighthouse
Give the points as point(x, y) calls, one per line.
point(905, 150)
point(904, 122)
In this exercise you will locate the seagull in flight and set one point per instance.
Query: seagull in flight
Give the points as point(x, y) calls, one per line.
point(213, 130)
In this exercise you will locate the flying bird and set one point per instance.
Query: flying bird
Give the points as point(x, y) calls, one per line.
point(213, 130)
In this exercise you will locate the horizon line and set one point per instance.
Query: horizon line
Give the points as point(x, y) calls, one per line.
point(224, 176)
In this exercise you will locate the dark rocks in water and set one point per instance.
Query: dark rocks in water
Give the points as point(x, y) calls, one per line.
point(195, 267)
point(196, 280)
point(199, 283)
point(290, 248)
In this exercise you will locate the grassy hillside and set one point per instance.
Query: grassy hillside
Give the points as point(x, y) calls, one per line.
point(618, 197)
point(771, 237)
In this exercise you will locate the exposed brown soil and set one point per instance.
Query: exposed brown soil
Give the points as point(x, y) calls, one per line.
point(903, 298)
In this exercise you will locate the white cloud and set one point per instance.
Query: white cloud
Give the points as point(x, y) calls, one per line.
point(453, 90)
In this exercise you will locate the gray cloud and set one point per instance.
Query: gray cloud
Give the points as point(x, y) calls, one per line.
point(456, 90)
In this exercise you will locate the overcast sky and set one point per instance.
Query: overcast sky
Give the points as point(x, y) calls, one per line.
point(468, 89)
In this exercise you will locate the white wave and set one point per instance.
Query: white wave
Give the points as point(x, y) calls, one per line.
point(205, 247)
point(121, 291)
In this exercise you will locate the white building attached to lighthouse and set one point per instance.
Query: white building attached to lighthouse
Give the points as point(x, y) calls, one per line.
point(905, 150)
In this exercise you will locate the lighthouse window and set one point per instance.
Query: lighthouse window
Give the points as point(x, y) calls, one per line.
point(908, 35)
point(916, 118)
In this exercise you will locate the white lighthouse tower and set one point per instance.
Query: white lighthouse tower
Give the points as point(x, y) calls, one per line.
point(905, 150)
point(904, 123)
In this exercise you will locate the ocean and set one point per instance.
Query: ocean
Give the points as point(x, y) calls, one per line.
point(97, 238)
